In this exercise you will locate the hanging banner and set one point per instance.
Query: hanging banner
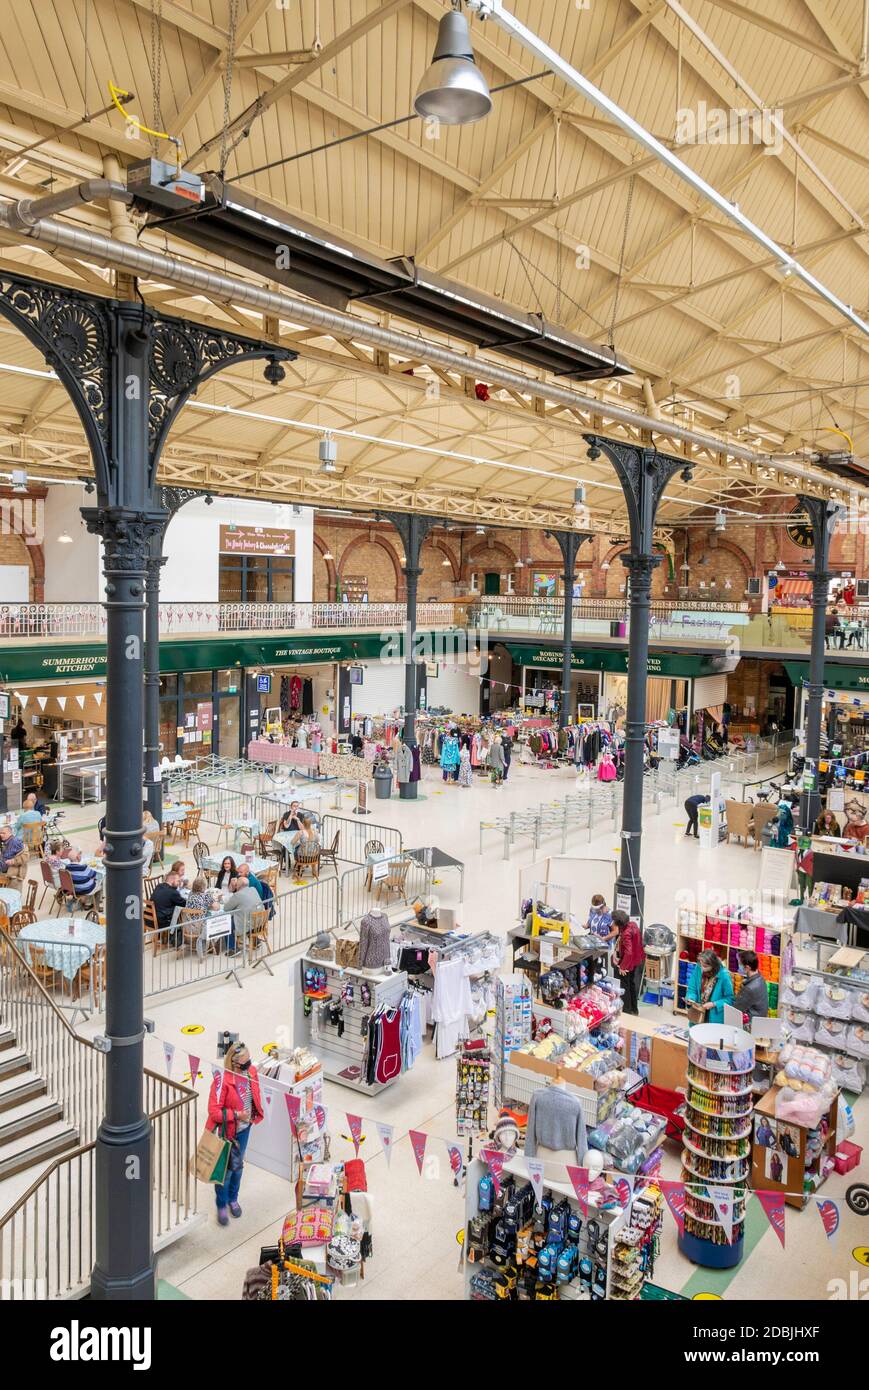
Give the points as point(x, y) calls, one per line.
point(722, 1200)
point(535, 1173)
point(386, 1133)
point(418, 1142)
point(168, 1056)
point(193, 1063)
point(456, 1159)
point(355, 1123)
point(828, 1211)
point(294, 1108)
point(495, 1160)
point(674, 1195)
point(773, 1204)
point(579, 1180)
point(61, 700)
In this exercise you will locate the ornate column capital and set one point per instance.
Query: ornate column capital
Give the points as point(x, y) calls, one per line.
point(126, 535)
point(640, 569)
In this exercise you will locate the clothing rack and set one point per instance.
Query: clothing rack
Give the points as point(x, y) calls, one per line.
point(340, 1055)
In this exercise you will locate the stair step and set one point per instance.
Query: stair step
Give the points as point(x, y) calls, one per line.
point(13, 1062)
point(26, 1086)
point(29, 1149)
point(7, 1039)
point(32, 1114)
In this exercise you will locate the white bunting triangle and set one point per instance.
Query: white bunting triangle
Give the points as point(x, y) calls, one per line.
point(42, 701)
point(80, 699)
point(61, 700)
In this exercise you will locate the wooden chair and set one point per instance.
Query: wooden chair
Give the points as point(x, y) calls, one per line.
point(307, 858)
point(270, 876)
point(149, 917)
point(189, 825)
point(92, 976)
point(763, 814)
point(200, 852)
point(330, 855)
point(396, 879)
point(67, 896)
point(371, 847)
point(158, 840)
point(739, 819)
point(36, 960)
point(189, 935)
point(258, 935)
point(149, 884)
point(266, 846)
point(29, 899)
point(33, 836)
point(24, 917)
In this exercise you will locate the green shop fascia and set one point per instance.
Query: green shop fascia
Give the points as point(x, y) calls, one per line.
point(678, 665)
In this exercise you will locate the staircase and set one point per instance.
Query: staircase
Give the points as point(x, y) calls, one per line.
point(32, 1124)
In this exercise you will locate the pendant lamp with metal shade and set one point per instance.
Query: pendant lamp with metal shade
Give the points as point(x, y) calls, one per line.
point(453, 90)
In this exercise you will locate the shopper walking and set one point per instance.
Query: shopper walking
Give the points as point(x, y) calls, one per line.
point(783, 827)
point(692, 808)
point(234, 1106)
point(628, 959)
point(507, 747)
point(709, 988)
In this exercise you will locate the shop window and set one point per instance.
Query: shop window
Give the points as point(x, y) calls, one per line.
point(168, 686)
point(229, 680)
point(198, 682)
point(256, 579)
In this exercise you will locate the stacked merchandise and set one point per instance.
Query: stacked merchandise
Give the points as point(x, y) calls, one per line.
point(512, 1023)
point(630, 1138)
point(832, 1013)
point(637, 1245)
point(727, 933)
point(716, 1159)
point(473, 1081)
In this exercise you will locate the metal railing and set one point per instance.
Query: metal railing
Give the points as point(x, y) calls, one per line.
point(355, 835)
point(75, 971)
point(47, 1236)
point(359, 892)
point(179, 619)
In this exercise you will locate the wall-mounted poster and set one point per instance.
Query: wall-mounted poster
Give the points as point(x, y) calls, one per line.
point(544, 585)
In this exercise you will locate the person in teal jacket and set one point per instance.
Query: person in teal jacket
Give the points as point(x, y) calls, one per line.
point(710, 987)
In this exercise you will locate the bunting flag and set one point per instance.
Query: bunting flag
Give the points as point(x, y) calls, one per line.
point(535, 1173)
point(42, 701)
point(773, 1204)
point(722, 1200)
point(386, 1133)
point(624, 1190)
point(98, 696)
point(579, 1180)
point(320, 1116)
point(456, 1158)
point(194, 1067)
point(22, 700)
point(674, 1195)
point(828, 1211)
point(80, 699)
point(294, 1108)
point(61, 700)
point(418, 1142)
point(495, 1160)
point(168, 1056)
point(216, 1074)
point(355, 1123)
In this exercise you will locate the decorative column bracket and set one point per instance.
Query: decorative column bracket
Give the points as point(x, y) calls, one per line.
point(823, 516)
point(644, 474)
point(569, 543)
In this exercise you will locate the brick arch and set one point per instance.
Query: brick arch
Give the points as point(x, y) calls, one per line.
point(331, 573)
point(374, 538)
point(477, 559)
point(435, 543)
point(738, 553)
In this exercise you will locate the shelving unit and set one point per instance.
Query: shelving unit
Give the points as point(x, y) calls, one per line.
point(846, 1044)
point(512, 1024)
point(717, 1143)
point(726, 935)
point(340, 1055)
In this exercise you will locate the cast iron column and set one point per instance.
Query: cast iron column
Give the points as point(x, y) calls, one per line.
point(568, 543)
point(643, 474)
point(128, 373)
point(413, 529)
point(823, 516)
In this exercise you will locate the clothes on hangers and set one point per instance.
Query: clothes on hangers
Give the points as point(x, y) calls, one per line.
point(374, 934)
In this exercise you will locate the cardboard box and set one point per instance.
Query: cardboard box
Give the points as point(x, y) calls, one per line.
point(535, 1064)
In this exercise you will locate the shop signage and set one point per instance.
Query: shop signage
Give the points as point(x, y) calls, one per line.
point(836, 676)
point(676, 664)
point(256, 540)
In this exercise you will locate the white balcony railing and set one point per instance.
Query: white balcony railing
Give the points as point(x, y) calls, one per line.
point(88, 620)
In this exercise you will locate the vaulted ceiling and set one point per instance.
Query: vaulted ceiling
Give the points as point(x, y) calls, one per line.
point(546, 203)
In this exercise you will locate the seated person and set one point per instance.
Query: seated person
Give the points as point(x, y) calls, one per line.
point(57, 853)
point(247, 876)
point(84, 879)
point(177, 867)
point(199, 898)
point(166, 897)
point(242, 901)
point(226, 873)
point(292, 818)
point(308, 838)
point(28, 815)
point(14, 858)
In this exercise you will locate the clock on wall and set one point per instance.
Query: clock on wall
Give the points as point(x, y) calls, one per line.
point(800, 532)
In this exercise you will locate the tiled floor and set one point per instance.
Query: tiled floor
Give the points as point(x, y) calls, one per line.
point(417, 1218)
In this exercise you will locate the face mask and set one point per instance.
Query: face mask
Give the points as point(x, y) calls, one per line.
point(244, 1066)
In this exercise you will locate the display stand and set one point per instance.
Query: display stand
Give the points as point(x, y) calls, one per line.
point(512, 1024)
point(343, 1058)
point(802, 1173)
point(727, 935)
point(712, 818)
point(717, 1143)
point(273, 1146)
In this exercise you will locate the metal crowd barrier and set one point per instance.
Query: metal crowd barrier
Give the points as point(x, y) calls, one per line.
point(359, 892)
point(73, 973)
point(355, 835)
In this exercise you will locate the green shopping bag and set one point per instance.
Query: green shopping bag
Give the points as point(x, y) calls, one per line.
point(211, 1160)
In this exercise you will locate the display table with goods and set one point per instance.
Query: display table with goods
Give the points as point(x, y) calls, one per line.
point(716, 1157)
point(287, 1146)
point(794, 1148)
point(830, 1012)
point(355, 1020)
point(727, 933)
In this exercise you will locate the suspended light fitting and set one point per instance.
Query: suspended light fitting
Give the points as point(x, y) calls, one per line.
point(452, 89)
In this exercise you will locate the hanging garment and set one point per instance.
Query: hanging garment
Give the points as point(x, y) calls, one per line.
point(451, 1005)
point(403, 763)
point(285, 695)
point(374, 941)
point(415, 770)
point(387, 1062)
point(295, 692)
point(466, 772)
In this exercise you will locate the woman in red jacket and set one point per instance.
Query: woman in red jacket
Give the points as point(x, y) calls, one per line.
point(628, 959)
point(234, 1102)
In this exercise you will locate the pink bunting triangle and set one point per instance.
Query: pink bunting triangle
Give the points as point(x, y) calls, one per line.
point(418, 1142)
point(495, 1160)
point(674, 1195)
point(456, 1158)
point(579, 1181)
point(168, 1056)
point(828, 1211)
point(773, 1204)
point(355, 1123)
point(294, 1108)
point(194, 1067)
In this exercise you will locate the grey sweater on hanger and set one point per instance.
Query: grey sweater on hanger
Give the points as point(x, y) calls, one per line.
point(555, 1121)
